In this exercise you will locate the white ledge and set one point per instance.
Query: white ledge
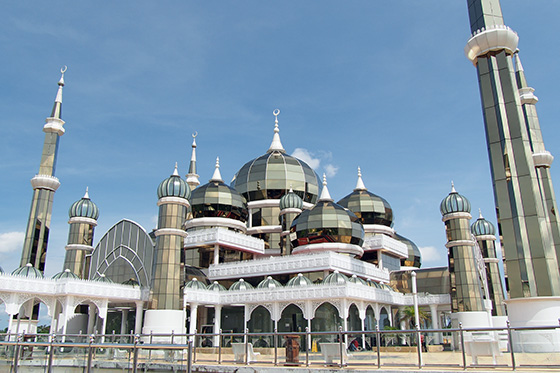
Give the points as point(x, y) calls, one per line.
point(455, 215)
point(45, 182)
point(265, 229)
point(54, 125)
point(527, 96)
point(82, 220)
point(170, 232)
point(216, 222)
point(496, 38)
point(378, 228)
point(387, 244)
point(543, 159)
point(224, 238)
point(174, 200)
point(459, 243)
point(77, 246)
point(337, 247)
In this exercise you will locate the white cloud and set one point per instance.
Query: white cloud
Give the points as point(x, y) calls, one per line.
point(306, 156)
point(331, 170)
point(432, 256)
point(11, 241)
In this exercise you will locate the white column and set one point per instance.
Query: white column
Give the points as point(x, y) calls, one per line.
point(309, 336)
point(345, 328)
point(435, 322)
point(124, 317)
point(194, 317)
point(363, 322)
point(138, 320)
point(91, 319)
point(217, 323)
point(216, 254)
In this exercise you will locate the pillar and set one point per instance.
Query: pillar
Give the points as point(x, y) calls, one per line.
point(138, 320)
point(435, 322)
point(193, 317)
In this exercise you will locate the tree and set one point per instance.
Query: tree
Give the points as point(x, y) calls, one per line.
point(408, 316)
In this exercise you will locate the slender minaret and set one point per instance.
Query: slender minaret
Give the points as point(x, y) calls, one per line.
point(44, 186)
point(519, 164)
point(484, 232)
point(192, 177)
point(466, 288)
point(83, 220)
point(291, 205)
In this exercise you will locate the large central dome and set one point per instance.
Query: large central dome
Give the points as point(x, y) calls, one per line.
point(271, 175)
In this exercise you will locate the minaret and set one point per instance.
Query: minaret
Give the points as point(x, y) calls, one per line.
point(44, 186)
point(466, 289)
point(519, 164)
point(291, 205)
point(192, 177)
point(166, 308)
point(484, 232)
point(83, 220)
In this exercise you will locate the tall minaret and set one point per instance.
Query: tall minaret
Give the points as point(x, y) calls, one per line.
point(83, 216)
point(192, 177)
point(44, 186)
point(522, 190)
point(165, 314)
point(484, 233)
point(466, 288)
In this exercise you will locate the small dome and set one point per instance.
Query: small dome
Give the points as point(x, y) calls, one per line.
point(1, 270)
point(373, 284)
point(132, 282)
point(299, 280)
point(291, 201)
point(195, 284)
point(327, 222)
point(216, 286)
point(269, 283)
point(241, 285)
point(65, 274)
point(482, 227)
point(357, 280)
point(103, 278)
point(216, 199)
point(272, 174)
point(454, 202)
point(368, 207)
point(84, 208)
point(335, 278)
point(28, 271)
point(414, 255)
point(174, 186)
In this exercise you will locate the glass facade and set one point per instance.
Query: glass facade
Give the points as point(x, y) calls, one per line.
point(369, 207)
point(217, 199)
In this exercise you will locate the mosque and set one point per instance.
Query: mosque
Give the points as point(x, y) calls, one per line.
point(274, 251)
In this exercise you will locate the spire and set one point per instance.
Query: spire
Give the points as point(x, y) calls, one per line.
point(86, 196)
point(480, 214)
point(192, 177)
point(57, 108)
point(175, 172)
point(217, 176)
point(325, 195)
point(453, 188)
point(276, 145)
point(360, 184)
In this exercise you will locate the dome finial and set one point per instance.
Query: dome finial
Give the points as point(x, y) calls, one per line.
point(276, 145)
point(87, 193)
point(360, 184)
point(453, 187)
point(192, 177)
point(175, 172)
point(480, 214)
point(217, 175)
point(325, 195)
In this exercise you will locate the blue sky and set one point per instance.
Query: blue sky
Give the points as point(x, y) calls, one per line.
point(376, 84)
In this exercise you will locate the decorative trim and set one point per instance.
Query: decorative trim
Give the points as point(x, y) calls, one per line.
point(265, 229)
point(45, 182)
point(378, 228)
point(450, 244)
point(216, 222)
point(387, 244)
point(494, 38)
point(170, 232)
point(543, 159)
point(486, 237)
point(263, 203)
point(329, 246)
point(77, 246)
point(82, 220)
point(527, 96)
point(290, 210)
point(225, 238)
point(491, 260)
point(456, 215)
point(173, 200)
point(54, 125)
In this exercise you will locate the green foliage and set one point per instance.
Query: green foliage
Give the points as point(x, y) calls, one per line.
point(408, 316)
point(43, 329)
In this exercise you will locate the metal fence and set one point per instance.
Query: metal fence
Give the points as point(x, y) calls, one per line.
point(513, 348)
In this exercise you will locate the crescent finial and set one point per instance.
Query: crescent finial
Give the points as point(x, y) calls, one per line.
point(64, 68)
point(195, 134)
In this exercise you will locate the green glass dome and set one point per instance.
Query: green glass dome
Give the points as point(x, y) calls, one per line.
point(66, 274)
point(103, 278)
point(241, 285)
point(414, 255)
point(327, 222)
point(28, 271)
point(216, 199)
point(335, 278)
point(357, 280)
point(454, 202)
point(216, 286)
point(299, 280)
point(291, 201)
point(482, 227)
point(269, 283)
point(1, 270)
point(174, 186)
point(195, 285)
point(84, 208)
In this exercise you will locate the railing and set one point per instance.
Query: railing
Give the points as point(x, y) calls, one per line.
point(439, 348)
